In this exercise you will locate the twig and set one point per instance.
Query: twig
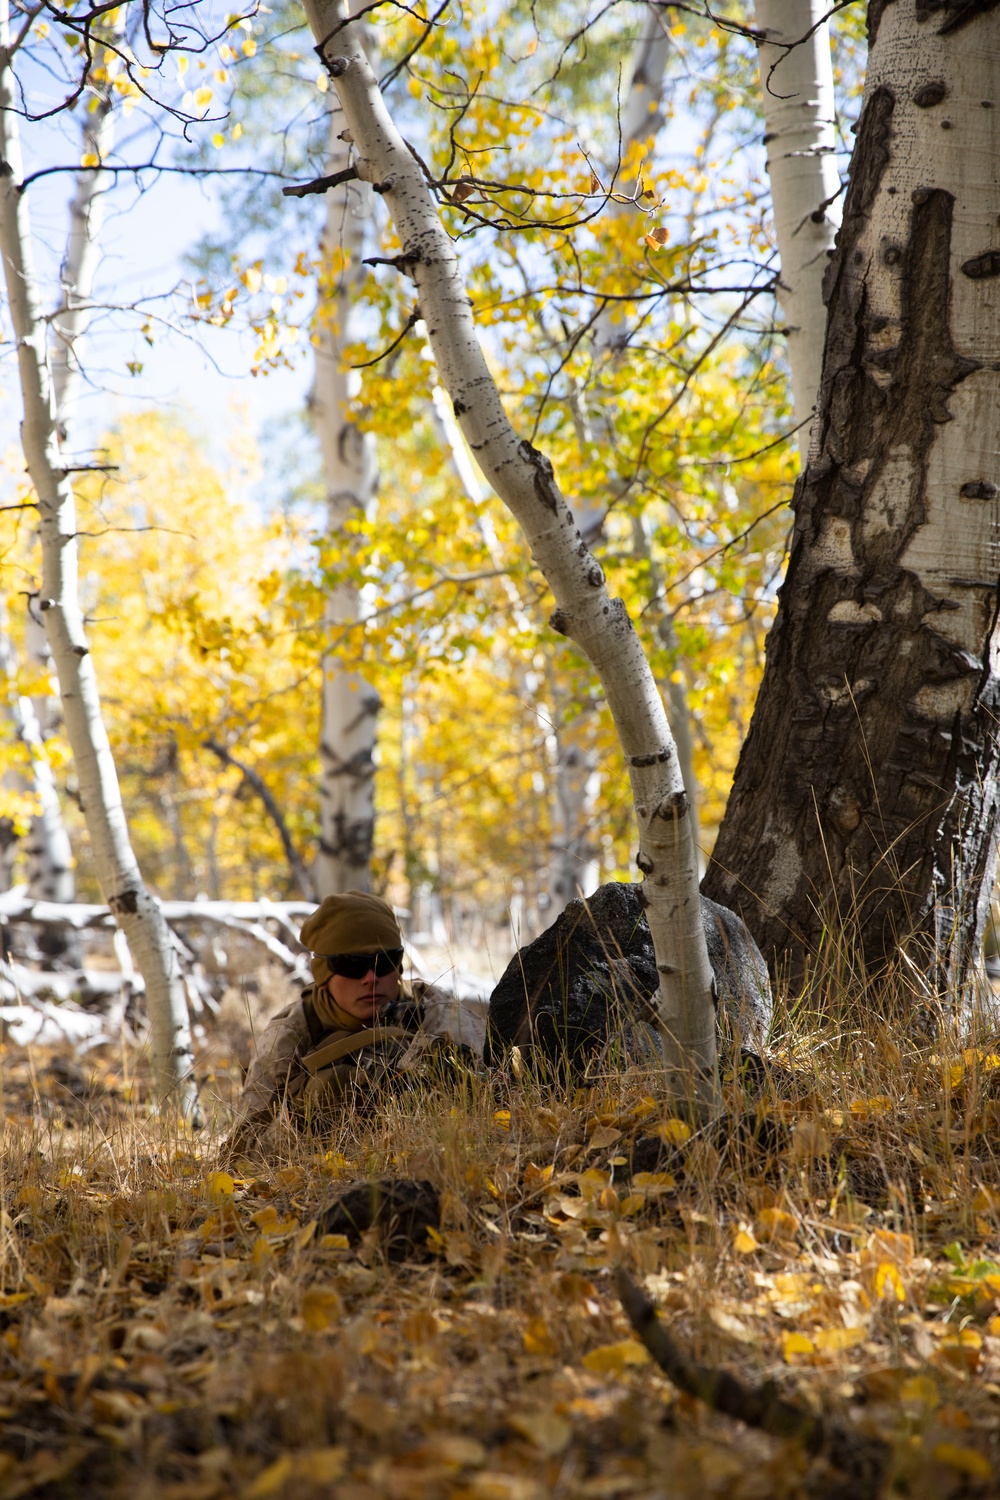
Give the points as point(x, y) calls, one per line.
point(254, 779)
point(864, 1458)
point(321, 184)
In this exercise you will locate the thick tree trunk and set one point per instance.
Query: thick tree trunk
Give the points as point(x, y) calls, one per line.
point(136, 911)
point(350, 705)
point(524, 480)
point(796, 79)
point(867, 788)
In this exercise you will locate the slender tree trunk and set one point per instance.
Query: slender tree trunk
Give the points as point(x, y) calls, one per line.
point(524, 480)
point(135, 910)
point(867, 788)
point(574, 867)
point(350, 705)
point(50, 858)
point(796, 78)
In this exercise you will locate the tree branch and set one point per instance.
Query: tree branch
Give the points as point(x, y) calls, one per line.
point(254, 779)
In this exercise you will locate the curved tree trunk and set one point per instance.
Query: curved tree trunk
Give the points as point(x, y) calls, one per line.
point(867, 788)
point(350, 705)
point(135, 910)
point(796, 79)
point(524, 480)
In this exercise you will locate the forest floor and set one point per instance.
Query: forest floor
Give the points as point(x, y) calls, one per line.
point(175, 1328)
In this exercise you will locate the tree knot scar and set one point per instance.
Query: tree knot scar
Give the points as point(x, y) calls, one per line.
point(545, 486)
point(124, 903)
point(459, 407)
point(81, 651)
point(930, 94)
point(386, 186)
point(6, 170)
point(979, 489)
point(673, 808)
point(641, 761)
point(335, 66)
point(595, 575)
point(981, 267)
point(667, 970)
point(644, 863)
point(558, 622)
point(714, 992)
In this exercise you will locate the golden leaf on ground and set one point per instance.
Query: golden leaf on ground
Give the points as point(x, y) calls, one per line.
point(452, 1449)
point(993, 1326)
point(311, 1466)
point(603, 1137)
point(536, 1177)
point(796, 1346)
point(545, 1430)
point(219, 1186)
point(809, 1140)
point(651, 1183)
point(919, 1390)
point(963, 1460)
point(674, 1132)
point(837, 1340)
point(322, 1307)
point(986, 1201)
point(744, 1242)
point(538, 1338)
point(879, 1104)
point(888, 1283)
point(612, 1359)
point(774, 1225)
point(962, 1350)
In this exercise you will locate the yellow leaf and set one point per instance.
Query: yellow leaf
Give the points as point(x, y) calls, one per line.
point(775, 1224)
point(963, 1460)
point(993, 1326)
point(536, 1177)
point(313, 1466)
point(612, 1359)
point(538, 1338)
point(744, 1242)
point(322, 1307)
point(796, 1345)
point(878, 1105)
point(962, 1350)
point(420, 1327)
point(236, 131)
point(604, 1136)
point(502, 1118)
point(219, 1186)
point(334, 1242)
point(674, 1132)
point(218, 140)
point(919, 1390)
point(249, 47)
point(90, 159)
point(888, 1282)
point(986, 1201)
point(546, 1431)
point(836, 1340)
point(652, 1182)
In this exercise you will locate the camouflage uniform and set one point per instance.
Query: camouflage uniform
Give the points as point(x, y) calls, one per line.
point(300, 1061)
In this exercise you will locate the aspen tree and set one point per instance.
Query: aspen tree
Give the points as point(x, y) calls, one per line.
point(350, 705)
point(524, 480)
point(796, 80)
point(866, 791)
point(136, 911)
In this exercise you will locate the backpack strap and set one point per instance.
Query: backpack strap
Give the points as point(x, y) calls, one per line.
point(341, 1044)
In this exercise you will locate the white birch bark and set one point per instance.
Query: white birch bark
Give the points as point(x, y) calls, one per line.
point(796, 77)
point(50, 859)
point(135, 909)
point(350, 705)
point(524, 480)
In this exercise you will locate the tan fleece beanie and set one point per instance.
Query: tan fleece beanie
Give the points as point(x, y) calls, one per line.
point(355, 922)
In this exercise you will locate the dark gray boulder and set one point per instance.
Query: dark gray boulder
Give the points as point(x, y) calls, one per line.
point(584, 987)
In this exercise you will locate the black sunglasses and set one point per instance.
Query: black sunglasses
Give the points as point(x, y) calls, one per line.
point(357, 965)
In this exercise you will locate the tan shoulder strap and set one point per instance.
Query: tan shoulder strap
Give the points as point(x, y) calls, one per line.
point(342, 1044)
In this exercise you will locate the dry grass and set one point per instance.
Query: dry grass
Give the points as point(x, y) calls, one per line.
point(172, 1330)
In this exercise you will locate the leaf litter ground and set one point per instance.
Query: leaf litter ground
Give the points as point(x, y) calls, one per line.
point(174, 1324)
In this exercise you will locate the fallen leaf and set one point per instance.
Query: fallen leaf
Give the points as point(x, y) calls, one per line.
point(796, 1346)
point(774, 1224)
point(545, 1430)
point(321, 1308)
point(963, 1460)
point(612, 1359)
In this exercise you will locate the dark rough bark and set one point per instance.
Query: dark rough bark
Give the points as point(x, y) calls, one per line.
point(586, 985)
point(856, 799)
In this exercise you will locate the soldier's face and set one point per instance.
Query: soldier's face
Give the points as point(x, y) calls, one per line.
point(364, 998)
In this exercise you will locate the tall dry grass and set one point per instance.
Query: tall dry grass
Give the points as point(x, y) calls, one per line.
point(170, 1327)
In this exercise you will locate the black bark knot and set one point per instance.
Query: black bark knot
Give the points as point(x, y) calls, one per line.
point(558, 622)
point(930, 94)
point(672, 807)
point(979, 489)
point(982, 267)
point(545, 487)
point(124, 903)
